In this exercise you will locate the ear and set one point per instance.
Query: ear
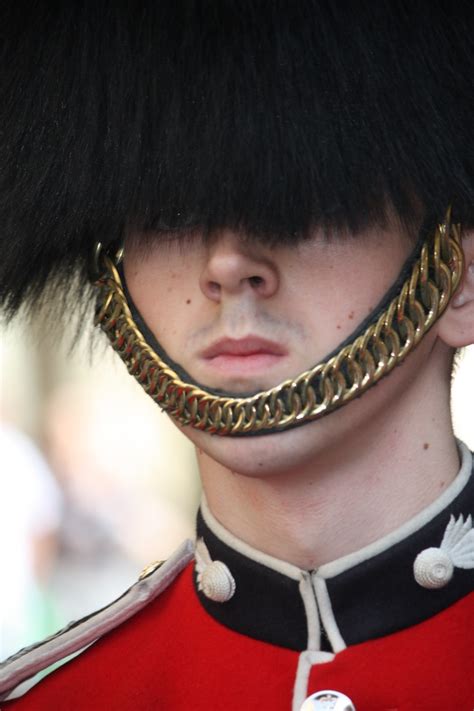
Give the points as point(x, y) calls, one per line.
point(456, 326)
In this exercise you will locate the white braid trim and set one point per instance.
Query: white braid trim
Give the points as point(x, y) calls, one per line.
point(41, 656)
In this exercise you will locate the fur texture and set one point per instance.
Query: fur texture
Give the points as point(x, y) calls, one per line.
point(269, 117)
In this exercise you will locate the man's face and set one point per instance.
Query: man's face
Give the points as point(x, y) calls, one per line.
point(242, 316)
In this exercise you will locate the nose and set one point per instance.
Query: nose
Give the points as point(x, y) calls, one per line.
point(234, 266)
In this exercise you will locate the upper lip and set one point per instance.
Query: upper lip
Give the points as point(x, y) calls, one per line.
point(250, 345)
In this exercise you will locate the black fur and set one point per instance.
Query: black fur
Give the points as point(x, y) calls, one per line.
point(266, 116)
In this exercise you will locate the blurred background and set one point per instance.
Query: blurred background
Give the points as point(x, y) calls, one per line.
point(95, 482)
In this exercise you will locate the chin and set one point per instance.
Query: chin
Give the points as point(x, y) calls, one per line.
point(321, 443)
point(262, 455)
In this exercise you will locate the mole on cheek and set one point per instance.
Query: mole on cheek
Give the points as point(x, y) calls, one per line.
point(351, 315)
point(188, 301)
point(426, 445)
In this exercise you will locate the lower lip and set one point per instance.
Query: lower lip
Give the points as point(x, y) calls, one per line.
point(231, 364)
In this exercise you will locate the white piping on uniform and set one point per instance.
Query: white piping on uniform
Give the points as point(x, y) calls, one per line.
point(311, 609)
point(326, 613)
point(66, 643)
point(306, 661)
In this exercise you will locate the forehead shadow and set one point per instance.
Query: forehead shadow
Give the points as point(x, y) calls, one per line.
point(145, 240)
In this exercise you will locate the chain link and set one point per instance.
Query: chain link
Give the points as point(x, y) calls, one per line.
point(329, 385)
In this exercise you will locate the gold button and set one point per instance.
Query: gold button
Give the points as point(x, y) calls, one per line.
point(150, 568)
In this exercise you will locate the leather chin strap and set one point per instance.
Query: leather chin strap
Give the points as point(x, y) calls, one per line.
point(383, 340)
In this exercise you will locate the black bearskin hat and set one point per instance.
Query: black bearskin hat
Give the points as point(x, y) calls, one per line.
point(267, 116)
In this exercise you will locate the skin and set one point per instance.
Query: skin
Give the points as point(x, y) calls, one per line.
point(324, 490)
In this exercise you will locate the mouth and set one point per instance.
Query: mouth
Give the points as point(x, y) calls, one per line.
point(245, 356)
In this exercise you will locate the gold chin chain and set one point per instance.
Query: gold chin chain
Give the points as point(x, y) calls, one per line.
point(360, 364)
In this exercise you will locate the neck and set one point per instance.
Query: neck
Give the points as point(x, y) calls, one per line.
point(349, 494)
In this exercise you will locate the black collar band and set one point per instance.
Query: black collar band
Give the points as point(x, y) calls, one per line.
point(363, 596)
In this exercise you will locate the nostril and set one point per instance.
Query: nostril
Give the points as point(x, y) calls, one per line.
point(214, 287)
point(255, 281)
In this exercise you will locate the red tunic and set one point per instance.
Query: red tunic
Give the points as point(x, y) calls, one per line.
point(368, 626)
point(173, 655)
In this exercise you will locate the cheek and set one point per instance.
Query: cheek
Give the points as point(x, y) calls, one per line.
point(164, 296)
point(337, 294)
point(332, 307)
point(253, 457)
